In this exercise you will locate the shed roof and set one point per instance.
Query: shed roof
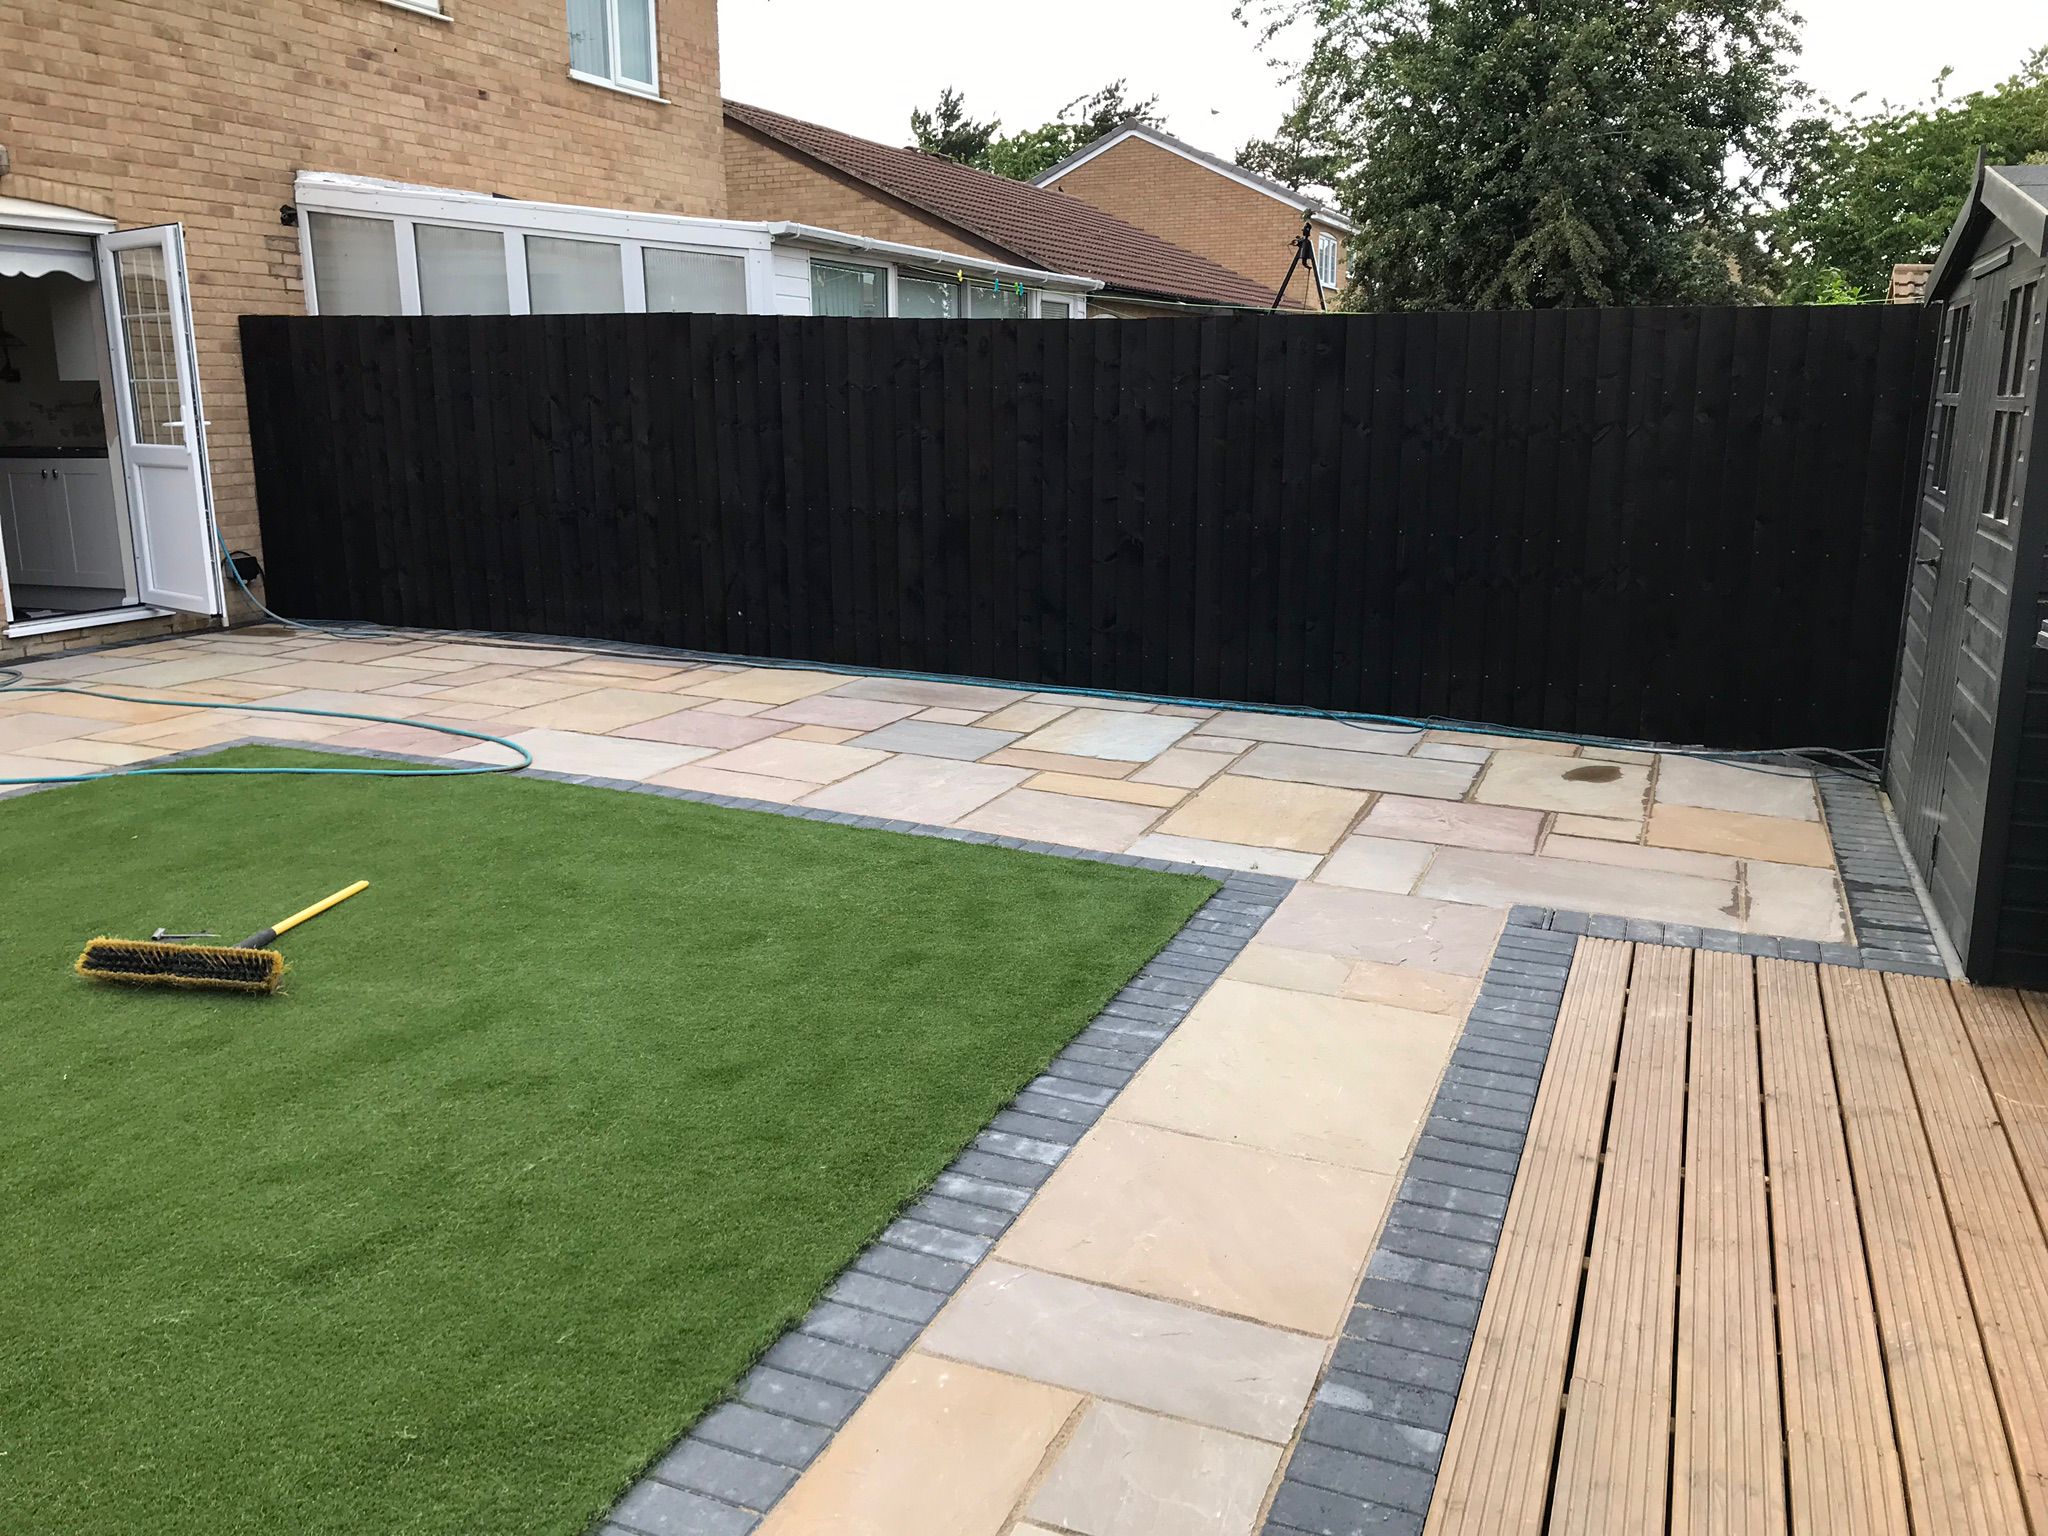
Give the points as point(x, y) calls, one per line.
point(2016, 196)
point(1049, 229)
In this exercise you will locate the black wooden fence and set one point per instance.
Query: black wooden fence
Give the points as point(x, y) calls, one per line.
point(1684, 524)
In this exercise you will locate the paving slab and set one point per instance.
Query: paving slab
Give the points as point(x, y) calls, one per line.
point(1069, 820)
point(1377, 864)
point(921, 789)
point(932, 738)
point(1224, 1227)
point(1220, 1371)
point(1504, 829)
point(1304, 818)
point(1546, 782)
point(1346, 769)
point(1756, 789)
point(1115, 734)
point(1126, 1472)
point(1450, 937)
point(1777, 839)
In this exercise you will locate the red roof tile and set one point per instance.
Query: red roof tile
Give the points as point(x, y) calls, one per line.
point(1042, 227)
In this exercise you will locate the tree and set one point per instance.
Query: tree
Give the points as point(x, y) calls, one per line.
point(1509, 153)
point(949, 132)
point(1867, 190)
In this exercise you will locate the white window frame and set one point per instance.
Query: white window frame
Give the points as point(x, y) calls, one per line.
point(1326, 255)
point(433, 10)
point(405, 206)
point(617, 80)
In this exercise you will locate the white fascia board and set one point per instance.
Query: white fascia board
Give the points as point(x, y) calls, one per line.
point(331, 192)
point(926, 256)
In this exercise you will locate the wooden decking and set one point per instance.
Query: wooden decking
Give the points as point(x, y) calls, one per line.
point(1775, 1262)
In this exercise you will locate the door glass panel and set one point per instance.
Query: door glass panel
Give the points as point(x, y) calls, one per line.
point(462, 271)
point(590, 43)
point(860, 292)
point(927, 298)
point(574, 277)
point(355, 265)
point(692, 282)
point(149, 345)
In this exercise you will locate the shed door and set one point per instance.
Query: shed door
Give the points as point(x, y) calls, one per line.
point(1959, 607)
point(163, 437)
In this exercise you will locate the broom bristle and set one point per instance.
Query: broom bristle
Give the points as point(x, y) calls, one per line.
point(144, 962)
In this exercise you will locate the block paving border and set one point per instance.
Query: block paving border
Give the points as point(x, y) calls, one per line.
point(724, 1475)
point(1368, 1454)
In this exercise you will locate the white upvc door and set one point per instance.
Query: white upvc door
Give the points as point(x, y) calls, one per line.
point(163, 435)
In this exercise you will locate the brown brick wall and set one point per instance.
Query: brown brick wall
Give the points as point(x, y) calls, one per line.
point(1194, 207)
point(765, 180)
point(201, 111)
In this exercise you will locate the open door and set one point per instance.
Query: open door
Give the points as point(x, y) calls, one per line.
point(163, 436)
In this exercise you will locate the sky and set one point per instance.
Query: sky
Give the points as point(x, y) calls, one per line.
point(862, 68)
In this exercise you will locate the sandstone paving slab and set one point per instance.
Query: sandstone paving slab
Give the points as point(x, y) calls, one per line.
point(1778, 839)
point(1224, 1372)
point(704, 728)
point(922, 789)
point(1312, 731)
point(1069, 820)
point(1345, 769)
point(1795, 901)
point(1545, 782)
point(1451, 937)
point(1223, 1226)
point(1126, 1472)
point(765, 685)
point(1515, 879)
point(941, 1448)
point(1377, 864)
point(1252, 860)
point(933, 738)
point(1503, 828)
point(1306, 818)
point(779, 757)
point(1295, 1073)
point(1758, 790)
point(1118, 735)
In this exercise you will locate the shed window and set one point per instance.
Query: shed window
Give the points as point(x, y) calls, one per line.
point(612, 42)
point(996, 301)
point(1948, 387)
point(2018, 356)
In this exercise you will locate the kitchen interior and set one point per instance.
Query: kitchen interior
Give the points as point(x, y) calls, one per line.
point(64, 532)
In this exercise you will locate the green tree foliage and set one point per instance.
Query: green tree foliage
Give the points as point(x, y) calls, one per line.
point(1510, 153)
point(947, 131)
point(1867, 189)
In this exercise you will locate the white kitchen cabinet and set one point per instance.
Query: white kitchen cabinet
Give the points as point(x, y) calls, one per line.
point(62, 525)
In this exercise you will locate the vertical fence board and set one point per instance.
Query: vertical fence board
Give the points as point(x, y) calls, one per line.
point(1682, 524)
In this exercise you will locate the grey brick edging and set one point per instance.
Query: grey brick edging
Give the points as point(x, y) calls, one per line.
point(731, 1467)
point(1367, 1456)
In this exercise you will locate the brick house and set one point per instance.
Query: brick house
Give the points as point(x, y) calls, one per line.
point(1235, 217)
point(776, 165)
point(167, 166)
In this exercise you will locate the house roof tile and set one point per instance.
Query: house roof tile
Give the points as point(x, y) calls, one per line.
point(1046, 228)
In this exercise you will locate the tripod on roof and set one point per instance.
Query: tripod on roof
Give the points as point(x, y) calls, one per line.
point(1304, 261)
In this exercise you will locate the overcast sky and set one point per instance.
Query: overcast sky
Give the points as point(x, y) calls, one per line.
point(863, 67)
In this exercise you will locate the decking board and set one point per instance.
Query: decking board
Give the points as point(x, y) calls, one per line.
point(1495, 1476)
point(1958, 1476)
point(2003, 1258)
point(1615, 1455)
point(1728, 1471)
point(1842, 1454)
point(1775, 1262)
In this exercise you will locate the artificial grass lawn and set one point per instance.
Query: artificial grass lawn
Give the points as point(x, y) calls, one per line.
point(552, 1131)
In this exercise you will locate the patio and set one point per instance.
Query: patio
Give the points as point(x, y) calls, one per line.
point(1137, 1351)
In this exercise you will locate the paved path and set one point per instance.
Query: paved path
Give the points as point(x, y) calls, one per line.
point(1136, 1354)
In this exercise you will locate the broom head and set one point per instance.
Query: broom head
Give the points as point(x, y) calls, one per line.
point(146, 963)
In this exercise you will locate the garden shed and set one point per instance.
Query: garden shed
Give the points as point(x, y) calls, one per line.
point(1967, 764)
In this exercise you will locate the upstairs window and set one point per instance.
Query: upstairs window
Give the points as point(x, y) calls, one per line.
point(1326, 260)
point(611, 42)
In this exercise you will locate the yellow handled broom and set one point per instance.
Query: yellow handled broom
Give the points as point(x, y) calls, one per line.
point(250, 966)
